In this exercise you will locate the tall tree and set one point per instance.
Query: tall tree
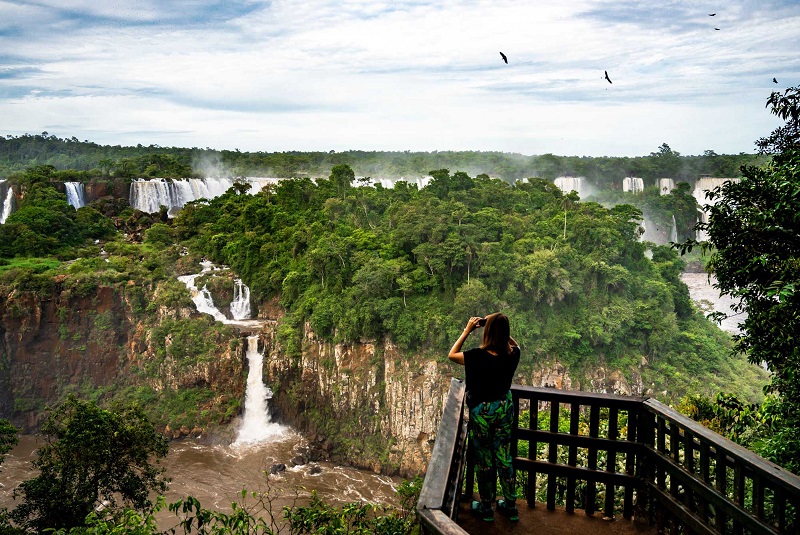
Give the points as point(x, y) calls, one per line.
point(754, 228)
point(91, 456)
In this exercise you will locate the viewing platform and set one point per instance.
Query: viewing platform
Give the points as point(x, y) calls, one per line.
point(605, 464)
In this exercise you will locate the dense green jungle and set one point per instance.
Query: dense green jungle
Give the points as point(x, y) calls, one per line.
point(355, 262)
point(84, 160)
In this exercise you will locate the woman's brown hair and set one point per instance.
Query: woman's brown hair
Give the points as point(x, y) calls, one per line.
point(497, 334)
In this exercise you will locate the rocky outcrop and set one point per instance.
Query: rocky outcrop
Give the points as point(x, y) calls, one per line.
point(366, 404)
point(94, 344)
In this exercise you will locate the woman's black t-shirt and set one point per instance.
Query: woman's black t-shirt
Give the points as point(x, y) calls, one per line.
point(488, 376)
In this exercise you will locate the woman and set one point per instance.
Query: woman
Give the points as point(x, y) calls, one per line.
point(489, 371)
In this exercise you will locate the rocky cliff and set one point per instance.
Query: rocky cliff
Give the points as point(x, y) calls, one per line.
point(372, 405)
point(100, 345)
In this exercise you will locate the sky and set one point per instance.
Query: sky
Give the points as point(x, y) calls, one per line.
point(411, 75)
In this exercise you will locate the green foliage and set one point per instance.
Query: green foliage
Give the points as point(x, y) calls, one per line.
point(91, 456)
point(753, 233)
point(256, 513)
point(319, 517)
point(357, 263)
point(97, 162)
point(8, 438)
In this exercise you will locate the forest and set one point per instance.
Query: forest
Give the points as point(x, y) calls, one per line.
point(85, 160)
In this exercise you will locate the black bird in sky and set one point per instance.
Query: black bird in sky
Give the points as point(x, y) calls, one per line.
point(711, 14)
point(504, 57)
point(716, 29)
point(607, 78)
point(774, 81)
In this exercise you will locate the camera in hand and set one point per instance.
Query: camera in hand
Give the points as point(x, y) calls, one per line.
point(481, 322)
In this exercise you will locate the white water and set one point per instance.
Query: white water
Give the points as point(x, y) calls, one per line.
point(75, 194)
point(632, 184)
point(389, 183)
point(256, 423)
point(673, 235)
point(6, 201)
point(150, 195)
point(573, 183)
point(703, 185)
point(205, 303)
point(240, 306)
point(666, 185)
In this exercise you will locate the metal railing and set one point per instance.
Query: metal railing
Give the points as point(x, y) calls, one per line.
point(622, 456)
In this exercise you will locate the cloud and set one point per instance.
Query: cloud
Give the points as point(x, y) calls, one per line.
point(398, 75)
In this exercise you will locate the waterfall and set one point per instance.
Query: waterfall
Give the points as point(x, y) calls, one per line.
point(256, 423)
point(75, 194)
point(665, 186)
point(704, 184)
point(240, 306)
point(573, 183)
point(673, 235)
point(201, 297)
point(6, 201)
point(632, 184)
point(149, 195)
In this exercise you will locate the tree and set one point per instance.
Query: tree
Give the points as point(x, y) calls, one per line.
point(754, 228)
point(8, 438)
point(342, 176)
point(92, 456)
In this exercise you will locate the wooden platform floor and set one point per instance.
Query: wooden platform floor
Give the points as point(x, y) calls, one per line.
point(538, 520)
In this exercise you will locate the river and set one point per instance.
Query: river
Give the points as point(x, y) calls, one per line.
point(707, 297)
point(216, 475)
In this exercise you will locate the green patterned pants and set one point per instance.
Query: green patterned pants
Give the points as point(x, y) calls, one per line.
point(490, 426)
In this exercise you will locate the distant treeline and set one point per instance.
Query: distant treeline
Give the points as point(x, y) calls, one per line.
point(103, 161)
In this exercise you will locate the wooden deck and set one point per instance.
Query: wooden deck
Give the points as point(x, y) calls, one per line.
point(539, 521)
point(609, 456)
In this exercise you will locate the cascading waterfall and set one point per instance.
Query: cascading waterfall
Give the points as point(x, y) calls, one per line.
point(6, 201)
point(75, 194)
point(240, 306)
point(673, 235)
point(256, 423)
point(633, 184)
point(149, 195)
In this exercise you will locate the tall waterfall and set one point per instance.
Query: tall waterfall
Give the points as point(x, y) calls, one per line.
point(665, 186)
point(6, 201)
point(75, 194)
point(256, 423)
point(632, 184)
point(573, 183)
point(149, 195)
point(703, 185)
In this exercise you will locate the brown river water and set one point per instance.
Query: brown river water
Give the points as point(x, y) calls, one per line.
point(216, 475)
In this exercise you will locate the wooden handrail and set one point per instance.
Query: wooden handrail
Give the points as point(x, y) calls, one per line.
point(650, 462)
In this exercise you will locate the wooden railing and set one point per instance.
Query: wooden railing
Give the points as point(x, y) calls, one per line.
point(622, 456)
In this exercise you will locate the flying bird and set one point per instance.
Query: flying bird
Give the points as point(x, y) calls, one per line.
point(774, 81)
point(504, 57)
point(607, 78)
point(716, 29)
point(711, 14)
